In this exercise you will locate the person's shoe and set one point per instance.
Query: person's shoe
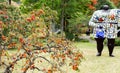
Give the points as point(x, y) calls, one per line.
point(111, 55)
point(99, 54)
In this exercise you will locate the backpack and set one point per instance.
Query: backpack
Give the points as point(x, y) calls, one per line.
point(100, 33)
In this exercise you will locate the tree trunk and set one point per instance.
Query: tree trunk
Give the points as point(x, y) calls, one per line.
point(0, 53)
point(9, 1)
point(62, 16)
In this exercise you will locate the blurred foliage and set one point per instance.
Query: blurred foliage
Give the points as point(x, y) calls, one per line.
point(2, 0)
point(16, 0)
point(116, 3)
point(117, 41)
point(29, 5)
point(14, 24)
point(75, 13)
point(103, 2)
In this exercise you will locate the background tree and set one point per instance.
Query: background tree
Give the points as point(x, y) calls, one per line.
point(1, 0)
point(67, 11)
point(102, 2)
point(72, 14)
point(116, 3)
point(9, 1)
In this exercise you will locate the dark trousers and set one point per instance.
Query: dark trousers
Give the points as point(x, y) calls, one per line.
point(110, 45)
point(100, 44)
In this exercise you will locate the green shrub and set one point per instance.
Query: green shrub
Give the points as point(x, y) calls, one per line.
point(92, 38)
point(69, 36)
point(117, 41)
point(83, 40)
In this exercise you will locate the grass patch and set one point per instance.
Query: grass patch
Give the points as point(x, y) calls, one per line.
point(102, 64)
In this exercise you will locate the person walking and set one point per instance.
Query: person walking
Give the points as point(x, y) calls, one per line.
point(98, 22)
point(111, 29)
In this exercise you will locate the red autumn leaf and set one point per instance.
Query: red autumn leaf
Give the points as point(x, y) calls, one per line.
point(32, 66)
point(6, 17)
point(33, 17)
point(29, 19)
point(44, 50)
point(75, 67)
point(49, 71)
point(21, 40)
point(4, 38)
point(1, 22)
point(94, 2)
point(1, 12)
point(23, 69)
point(24, 55)
point(41, 11)
point(76, 58)
point(91, 7)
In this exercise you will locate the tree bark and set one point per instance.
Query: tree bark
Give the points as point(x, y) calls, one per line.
point(9, 1)
point(62, 15)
